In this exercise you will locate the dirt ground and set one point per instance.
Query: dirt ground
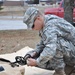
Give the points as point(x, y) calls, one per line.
point(14, 40)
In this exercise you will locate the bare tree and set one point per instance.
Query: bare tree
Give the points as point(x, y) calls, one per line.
point(68, 10)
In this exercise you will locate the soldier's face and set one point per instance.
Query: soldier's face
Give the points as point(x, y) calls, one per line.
point(38, 23)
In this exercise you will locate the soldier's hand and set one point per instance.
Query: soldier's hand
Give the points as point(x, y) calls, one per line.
point(31, 62)
point(34, 54)
point(31, 53)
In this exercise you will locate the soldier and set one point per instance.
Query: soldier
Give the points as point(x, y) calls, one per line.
point(56, 49)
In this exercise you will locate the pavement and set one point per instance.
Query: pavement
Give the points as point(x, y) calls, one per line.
point(12, 24)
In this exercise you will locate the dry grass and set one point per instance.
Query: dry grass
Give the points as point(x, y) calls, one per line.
point(11, 41)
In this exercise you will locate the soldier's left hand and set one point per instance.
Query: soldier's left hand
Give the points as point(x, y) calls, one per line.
point(31, 62)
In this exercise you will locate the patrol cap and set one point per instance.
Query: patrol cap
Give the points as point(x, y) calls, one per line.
point(29, 16)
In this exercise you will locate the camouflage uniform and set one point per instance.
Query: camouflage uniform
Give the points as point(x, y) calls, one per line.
point(57, 45)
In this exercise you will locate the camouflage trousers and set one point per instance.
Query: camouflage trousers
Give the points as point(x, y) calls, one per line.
point(59, 72)
point(66, 71)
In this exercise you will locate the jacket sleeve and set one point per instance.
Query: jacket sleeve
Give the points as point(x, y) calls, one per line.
point(39, 48)
point(49, 52)
point(50, 39)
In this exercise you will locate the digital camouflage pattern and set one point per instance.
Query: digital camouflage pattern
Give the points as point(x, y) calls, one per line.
point(29, 16)
point(57, 42)
point(57, 45)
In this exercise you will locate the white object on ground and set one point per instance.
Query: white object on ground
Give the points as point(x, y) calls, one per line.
point(28, 70)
